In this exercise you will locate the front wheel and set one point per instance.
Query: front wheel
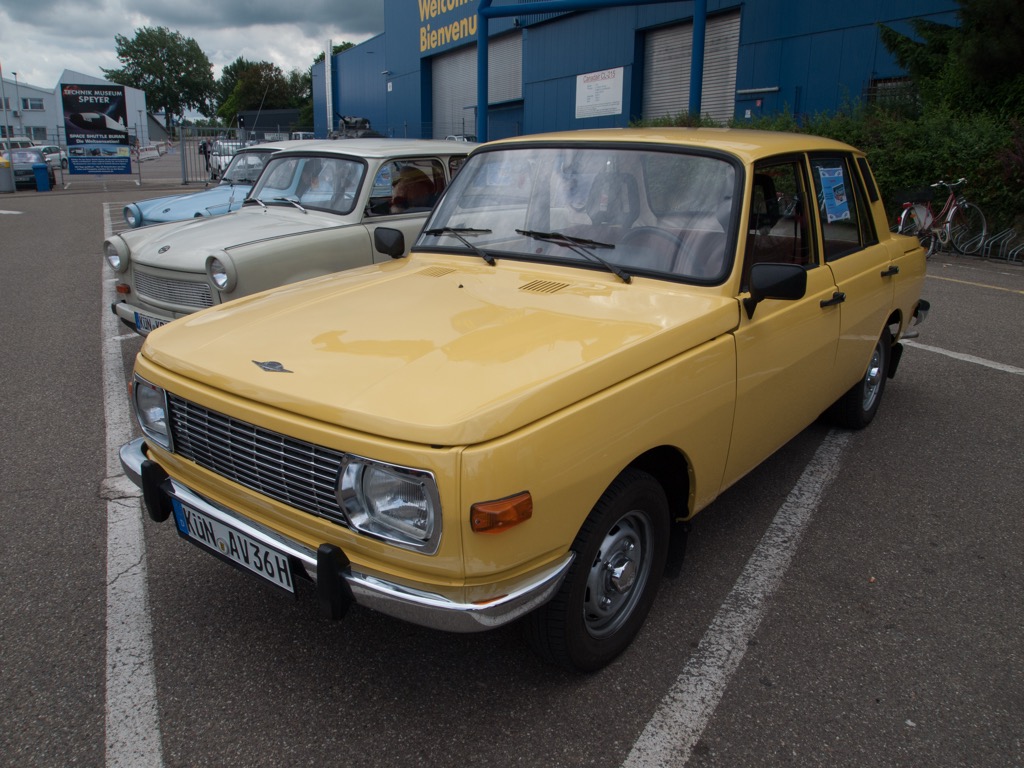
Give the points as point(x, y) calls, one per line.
point(620, 556)
point(856, 408)
point(967, 228)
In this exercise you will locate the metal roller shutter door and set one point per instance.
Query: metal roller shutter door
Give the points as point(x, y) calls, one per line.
point(453, 77)
point(667, 69)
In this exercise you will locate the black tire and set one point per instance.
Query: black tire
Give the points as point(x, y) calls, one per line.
point(606, 596)
point(968, 228)
point(856, 408)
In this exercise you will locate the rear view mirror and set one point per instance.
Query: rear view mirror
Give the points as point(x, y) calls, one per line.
point(389, 241)
point(786, 282)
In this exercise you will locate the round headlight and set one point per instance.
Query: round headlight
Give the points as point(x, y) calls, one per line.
point(394, 503)
point(115, 251)
point(132, 215)
point(221, 271)
point(151, 411)
point(218, 273)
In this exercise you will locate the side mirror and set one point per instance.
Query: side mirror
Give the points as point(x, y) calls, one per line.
point(787, 282)
point(389, 241)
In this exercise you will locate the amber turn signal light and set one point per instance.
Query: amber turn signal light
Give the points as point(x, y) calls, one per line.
point(500, 515)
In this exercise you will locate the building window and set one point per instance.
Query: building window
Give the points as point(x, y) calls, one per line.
point(895, 94)
point(32, 105)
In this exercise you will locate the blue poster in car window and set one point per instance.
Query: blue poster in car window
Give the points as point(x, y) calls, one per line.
point(96, 126)
point(833, 190)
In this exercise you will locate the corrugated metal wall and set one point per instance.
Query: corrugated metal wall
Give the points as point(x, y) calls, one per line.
point(802, 55)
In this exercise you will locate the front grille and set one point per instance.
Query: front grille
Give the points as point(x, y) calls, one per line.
point(294, 472)
point(182, 293)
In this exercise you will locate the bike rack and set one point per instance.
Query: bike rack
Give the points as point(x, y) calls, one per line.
point(1015, 252)
point(998, 244)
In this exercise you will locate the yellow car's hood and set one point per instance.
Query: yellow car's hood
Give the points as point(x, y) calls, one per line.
point(184, 245)
point(441, 351)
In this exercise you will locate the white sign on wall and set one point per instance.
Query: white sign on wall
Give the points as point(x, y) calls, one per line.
point(599, 93)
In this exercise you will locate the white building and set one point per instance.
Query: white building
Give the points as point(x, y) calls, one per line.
point(29, 110)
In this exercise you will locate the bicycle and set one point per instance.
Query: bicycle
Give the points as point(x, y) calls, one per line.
point(959, 223)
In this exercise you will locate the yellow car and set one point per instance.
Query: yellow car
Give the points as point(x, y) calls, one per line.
point(594, 335)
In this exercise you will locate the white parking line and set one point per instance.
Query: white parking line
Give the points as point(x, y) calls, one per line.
point(967, 358)
point(132, 719)
point(691, 701)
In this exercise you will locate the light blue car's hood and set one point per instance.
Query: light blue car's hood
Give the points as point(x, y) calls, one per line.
point(210, 202)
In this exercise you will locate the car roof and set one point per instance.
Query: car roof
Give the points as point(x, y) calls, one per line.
point(276, 145)
point(380, 148)
point(745, 143)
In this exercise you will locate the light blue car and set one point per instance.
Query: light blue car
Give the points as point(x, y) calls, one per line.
point(227, 196)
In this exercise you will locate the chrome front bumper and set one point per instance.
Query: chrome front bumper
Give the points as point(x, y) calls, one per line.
point(416, 606)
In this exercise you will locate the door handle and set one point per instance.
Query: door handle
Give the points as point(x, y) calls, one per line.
point(893, 270)
point(837, 298)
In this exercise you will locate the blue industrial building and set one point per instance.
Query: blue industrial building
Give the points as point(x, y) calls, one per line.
point(609, 65)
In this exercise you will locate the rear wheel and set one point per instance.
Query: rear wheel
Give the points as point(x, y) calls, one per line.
point(856, 408)
point(914, 220)
point(620, 556)
point(968, 228)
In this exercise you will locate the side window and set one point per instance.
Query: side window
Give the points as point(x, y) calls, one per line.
point(779, 220)
point(842, 207)
point(455, 163)
point(409, 185)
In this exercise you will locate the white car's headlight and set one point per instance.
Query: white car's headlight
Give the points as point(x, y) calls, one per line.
point(397, 504)
point(116, 252)
point(221, 271)
point(151, 411)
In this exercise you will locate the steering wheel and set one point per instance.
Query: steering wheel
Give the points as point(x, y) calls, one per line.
point(661, 246)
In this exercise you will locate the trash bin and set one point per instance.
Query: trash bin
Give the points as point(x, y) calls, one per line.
point(42, 174)
point(6, 175)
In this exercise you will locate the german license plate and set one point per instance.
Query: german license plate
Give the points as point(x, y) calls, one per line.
point(145, 323)
point(236, 546)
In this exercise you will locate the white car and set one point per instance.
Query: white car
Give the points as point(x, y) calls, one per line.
point(312, 211)
point(220, 156)
point(54, 155)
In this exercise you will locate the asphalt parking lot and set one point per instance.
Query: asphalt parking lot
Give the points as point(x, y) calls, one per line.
point(855, 601)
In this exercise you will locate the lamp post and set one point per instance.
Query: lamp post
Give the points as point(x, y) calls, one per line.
point(3, 101)
point(17, 102)
point(8, 170)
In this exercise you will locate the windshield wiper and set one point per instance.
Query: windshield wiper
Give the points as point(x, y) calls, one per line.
point(580, 245)
point(254, 200)
point(459, 232)
point(290, 200)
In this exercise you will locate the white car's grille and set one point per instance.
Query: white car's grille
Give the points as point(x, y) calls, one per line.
point(294, 472)
point(182, 293)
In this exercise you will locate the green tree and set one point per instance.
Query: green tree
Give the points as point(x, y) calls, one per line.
point(229, 77)
point(173, 71)
point(259, 86)
point(968, 68)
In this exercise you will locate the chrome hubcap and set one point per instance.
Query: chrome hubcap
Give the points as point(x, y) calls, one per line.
point(873, 378)
point(618, 575)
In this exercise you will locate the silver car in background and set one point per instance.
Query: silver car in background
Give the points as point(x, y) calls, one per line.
point(313, 211)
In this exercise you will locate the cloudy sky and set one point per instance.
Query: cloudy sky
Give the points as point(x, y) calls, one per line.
point(39, 39)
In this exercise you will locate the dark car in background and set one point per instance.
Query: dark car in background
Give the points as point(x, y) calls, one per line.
point(22, 159)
